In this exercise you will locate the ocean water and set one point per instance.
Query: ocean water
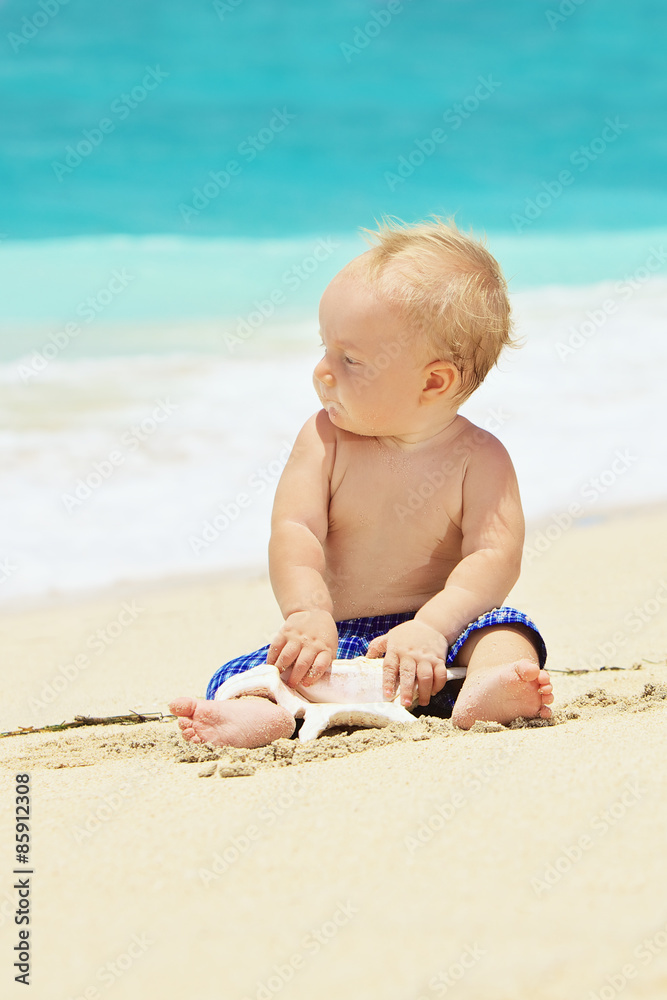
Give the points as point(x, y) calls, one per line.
point(178, 185)
point(515, 92)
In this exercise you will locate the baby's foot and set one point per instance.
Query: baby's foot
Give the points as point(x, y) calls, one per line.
point(241, 722)
point(502, 694)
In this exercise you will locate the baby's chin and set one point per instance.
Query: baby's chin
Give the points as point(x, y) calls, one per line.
point(343, 421)
point(339, 418)
point(335, 412)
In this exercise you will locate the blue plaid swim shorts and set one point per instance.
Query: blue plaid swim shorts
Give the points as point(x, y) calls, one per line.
point(354, 638)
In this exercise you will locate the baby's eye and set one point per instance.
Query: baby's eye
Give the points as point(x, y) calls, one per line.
point(349, 361)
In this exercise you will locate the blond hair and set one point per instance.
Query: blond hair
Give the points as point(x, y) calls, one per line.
point(450, 290)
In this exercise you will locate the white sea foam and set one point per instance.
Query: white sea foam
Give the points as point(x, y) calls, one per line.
point(176, 456)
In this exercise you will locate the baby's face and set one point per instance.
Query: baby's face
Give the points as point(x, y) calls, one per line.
point(369, 380)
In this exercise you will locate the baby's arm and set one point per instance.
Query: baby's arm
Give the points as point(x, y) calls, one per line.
point(493, 533)
point(308, 639)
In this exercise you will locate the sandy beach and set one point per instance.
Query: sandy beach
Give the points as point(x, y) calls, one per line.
point(526, 862)
point(181, 183)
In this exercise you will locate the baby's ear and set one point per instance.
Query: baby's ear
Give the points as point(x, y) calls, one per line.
point(442, 378)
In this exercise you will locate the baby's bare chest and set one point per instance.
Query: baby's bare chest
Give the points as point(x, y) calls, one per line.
point(378, 493)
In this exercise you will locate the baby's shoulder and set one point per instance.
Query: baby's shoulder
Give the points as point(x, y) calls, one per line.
point(317, 432)
point(478, 444)
point(320, 442)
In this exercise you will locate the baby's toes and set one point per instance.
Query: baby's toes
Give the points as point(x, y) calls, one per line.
point(188, 731)
point(527, 671)
point(545, 688)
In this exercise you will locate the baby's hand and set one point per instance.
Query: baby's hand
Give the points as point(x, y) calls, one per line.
point(412, 650)
point(307, 642)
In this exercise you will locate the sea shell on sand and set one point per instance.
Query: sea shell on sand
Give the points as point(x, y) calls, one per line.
point(350, 693)
point(354, 681)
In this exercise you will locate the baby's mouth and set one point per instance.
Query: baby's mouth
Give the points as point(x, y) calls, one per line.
point(332, 407)
point(327, 401)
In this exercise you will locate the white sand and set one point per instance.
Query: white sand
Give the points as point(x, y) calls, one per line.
point(416, 868)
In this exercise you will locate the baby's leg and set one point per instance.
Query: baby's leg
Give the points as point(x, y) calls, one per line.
point(504, 680)
point(240, 722)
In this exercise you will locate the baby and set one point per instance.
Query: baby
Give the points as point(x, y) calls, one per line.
point(397, 527)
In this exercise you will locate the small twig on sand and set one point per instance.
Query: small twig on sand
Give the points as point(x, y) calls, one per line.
point(597, 670)
point(89, 720)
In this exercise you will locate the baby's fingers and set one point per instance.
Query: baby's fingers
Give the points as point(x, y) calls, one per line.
point(301, 667)
point(310, 666)
point(439, 677)
point(408, 670)
point(425, 681)
point(377, 647)
point(389, 676)
point(321, 664)
point(287, 655)
point(277, 645)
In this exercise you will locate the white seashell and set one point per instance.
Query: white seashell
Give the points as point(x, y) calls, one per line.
point(350, 682)
point(325, 716)
point(349, 694)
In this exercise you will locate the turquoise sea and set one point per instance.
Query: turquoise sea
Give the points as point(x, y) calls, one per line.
point(227, 65)
point(178, 183)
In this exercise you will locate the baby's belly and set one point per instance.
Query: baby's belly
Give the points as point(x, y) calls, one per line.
point(363, 583)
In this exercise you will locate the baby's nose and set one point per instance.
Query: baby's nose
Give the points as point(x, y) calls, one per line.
point(322, 374)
